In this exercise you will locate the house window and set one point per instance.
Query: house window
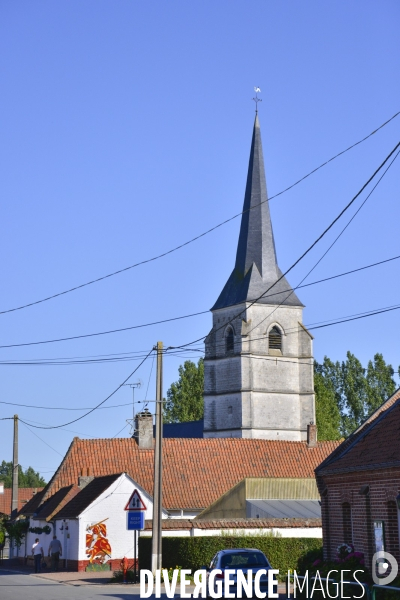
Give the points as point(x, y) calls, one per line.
point(275, 339)
point(347, 525)
point(229, 340)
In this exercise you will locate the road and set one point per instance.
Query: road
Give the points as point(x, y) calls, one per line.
point(27, 587)
point(14, 586)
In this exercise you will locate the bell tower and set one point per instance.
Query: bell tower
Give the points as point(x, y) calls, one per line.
point(258, 367)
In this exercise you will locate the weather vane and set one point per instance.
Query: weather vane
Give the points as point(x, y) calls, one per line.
point(257, 99)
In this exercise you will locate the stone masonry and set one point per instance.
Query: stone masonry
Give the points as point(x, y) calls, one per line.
point(257, 387)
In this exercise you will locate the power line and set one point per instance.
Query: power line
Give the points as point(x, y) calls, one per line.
point(98, 405)
point(52, 408)
point(179, 247)
point(334, 241)
point(35, 434)
point(311, 327)
point(317, 325)
point(75, 337)
point(304, 253)
point(171, 319)
point(371, 314)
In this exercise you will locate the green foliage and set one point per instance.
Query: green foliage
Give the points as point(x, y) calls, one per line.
point(196, 552)
point(380, 382)
point(185, 396)
point(326, 410)
point(16, 530)
point(39, 530)
point(345, 394)
point(26, 479)
point(118, 576)
point(356, 391)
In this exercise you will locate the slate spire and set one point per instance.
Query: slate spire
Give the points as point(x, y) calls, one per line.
point(256, 267)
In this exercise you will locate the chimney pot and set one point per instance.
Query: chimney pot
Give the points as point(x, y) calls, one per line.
point(144, 429)
point(311, 435)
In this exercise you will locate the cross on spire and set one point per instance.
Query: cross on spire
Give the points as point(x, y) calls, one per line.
point(257, 99)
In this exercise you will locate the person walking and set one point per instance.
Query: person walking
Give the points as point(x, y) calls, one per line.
point(55, 551)
point(38, 555)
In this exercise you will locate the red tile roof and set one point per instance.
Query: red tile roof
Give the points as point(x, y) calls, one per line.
point(24, 496)
point(195, 471)
point(374, 445)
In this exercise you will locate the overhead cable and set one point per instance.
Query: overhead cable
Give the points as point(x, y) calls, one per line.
point(95, 407)
point(319, 238)
point(180, 246)
point(381, 262)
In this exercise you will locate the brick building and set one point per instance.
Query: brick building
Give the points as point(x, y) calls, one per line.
point(359, 485)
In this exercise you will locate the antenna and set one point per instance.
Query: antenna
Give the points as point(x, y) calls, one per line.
point(138, 384)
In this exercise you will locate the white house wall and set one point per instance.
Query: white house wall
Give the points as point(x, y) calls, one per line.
point(30, 537)
point(109, 507)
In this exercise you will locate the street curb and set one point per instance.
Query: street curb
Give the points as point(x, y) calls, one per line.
point(14, 571)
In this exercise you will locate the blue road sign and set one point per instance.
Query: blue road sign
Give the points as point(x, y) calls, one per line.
point(135, 520)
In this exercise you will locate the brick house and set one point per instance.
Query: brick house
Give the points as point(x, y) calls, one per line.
point(359, 485)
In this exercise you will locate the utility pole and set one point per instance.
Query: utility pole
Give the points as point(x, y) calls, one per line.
point(14, 496)
point(156, 550)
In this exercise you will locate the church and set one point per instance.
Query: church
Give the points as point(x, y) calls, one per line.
point(258, 366)
point(249, 464)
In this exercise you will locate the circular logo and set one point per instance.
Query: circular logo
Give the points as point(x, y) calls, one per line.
point(382, 563)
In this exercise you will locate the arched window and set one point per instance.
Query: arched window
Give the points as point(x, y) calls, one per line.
point(347, 524)
point(275, 339)
point(229, 340)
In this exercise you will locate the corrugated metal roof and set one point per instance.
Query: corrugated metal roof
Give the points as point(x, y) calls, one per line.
point(262, 488)
point(283, 509)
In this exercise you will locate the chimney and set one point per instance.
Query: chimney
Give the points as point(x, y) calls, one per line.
point(311, 435)
point(144, 429)
point(83, 480)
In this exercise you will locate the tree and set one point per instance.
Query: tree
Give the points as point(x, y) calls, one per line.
point(354, 393)
point(326, 409)
point(380, 382)
point(185, 396)
point(357, 391)
point(27, 478)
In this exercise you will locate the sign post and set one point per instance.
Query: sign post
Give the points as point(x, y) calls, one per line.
point(135, 520)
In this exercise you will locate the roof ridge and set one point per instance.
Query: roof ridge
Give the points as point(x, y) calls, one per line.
point(356, 436)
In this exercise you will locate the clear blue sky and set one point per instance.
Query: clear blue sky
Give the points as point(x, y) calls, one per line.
point(126, 129)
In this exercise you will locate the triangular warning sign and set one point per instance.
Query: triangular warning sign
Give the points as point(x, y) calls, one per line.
point(135, 502)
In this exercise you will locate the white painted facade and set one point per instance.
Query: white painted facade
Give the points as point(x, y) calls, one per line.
point(109, 509)
point(44, 538)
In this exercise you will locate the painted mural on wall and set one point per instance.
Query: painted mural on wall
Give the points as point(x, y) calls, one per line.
point(98, 547)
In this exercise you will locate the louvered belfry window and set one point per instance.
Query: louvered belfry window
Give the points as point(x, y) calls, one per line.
point(229, 340)
point(275, 339)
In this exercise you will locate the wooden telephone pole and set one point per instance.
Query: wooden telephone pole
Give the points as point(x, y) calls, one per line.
point(156, 550)
point(14, 496)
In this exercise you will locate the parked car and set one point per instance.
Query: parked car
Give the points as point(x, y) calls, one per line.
point(238, 559)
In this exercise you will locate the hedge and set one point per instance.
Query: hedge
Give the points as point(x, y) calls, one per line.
point(195, 552)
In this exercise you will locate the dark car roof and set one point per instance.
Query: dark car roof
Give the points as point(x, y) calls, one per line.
point(230, 550)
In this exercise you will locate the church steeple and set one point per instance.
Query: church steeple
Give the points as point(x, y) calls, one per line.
point(256, 240)
point(258, 364)
point(256, 267)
